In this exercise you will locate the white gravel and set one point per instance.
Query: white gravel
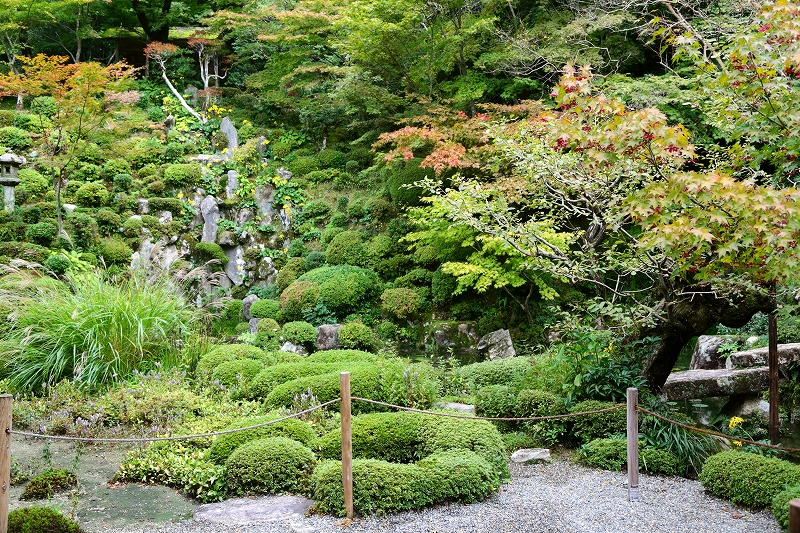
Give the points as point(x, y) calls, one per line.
point(560, 497)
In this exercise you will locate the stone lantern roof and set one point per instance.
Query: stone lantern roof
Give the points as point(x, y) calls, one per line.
point(9, 165)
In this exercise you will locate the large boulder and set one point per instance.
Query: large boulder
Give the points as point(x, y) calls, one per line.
point(328, 337)
point(706, 353)
point(706, 383)
point(497, 345)
point(787, 354)
point(211, 216)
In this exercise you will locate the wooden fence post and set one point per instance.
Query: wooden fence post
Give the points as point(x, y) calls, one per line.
point(347, 444)
point(794, 516)
point(6, 401)
point(633, 445)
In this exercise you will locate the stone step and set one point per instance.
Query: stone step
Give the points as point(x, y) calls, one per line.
point(690, 384)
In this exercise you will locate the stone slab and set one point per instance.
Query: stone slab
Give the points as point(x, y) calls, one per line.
point(787, 353)
point(690, 384)
point(260, 509)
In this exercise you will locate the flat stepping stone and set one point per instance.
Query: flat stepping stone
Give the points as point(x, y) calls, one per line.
point(463, 408)
point(706, 383)
point(257, 509)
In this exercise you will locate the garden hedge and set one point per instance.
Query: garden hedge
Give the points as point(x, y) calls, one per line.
point(597, 426)
point(225, 445)
point(230, 352)
point(746, 478)
point(513, 371)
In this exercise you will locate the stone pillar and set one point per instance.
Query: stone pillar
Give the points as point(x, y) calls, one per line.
point(9, 177)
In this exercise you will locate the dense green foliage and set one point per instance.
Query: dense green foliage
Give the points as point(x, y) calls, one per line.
point(780, 505)
point(612, 454)
point(44, 485)
point(39, 519)
point(747, 479)
point(291, 428)
point(272, 465)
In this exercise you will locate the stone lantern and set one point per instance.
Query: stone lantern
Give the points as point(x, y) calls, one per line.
point(9, 177)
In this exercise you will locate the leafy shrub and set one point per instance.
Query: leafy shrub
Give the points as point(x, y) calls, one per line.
point(495, 401)
point(329, 233)
point(268, 325)
point(228, 352)
point(746, 478)
point(58, 264)
point(299, 332)
point(238, 372)
point(344, 289)
point(40, 520)
point(116, 166)
point(400, 183)
point(330, 158)
point(15, 138)
point(87, 172)
point(394, 437)
point(365, 383)
point(133, 227)
point(122, 182)
point(272, 465)
point(600, 425)
point(612, 454)
point(293, 268)
point(532, 403)
point(41, 233)
point(517, 441)
point(115, 251)
point(108, 221)
point(460, 475)
point(315, 211)
point(292, 428)
point(46, 484)
point(265, 308)
point(156, 205)
point(302, 165)
point(338, 220)
point(315, 260)
point(401, 302)
point(355, 335)
point(45, 106)
point(180, 175)
point(33, 184)
point(443, 286)
point(297, 249)
point(479, 436)
point(513, 371)
point(380, 210)
point(298, 296)
point(356, 210)
point(780, 504)
point(92, 194)
point(211, 251)
point(346, 248)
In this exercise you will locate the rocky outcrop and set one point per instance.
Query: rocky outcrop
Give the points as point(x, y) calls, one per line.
point(328, 337)
point(211, 216)
point(705, 383)
point(497, 345)
point(227, 127)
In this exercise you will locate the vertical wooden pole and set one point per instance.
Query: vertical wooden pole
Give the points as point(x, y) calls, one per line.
point(6, 401)
point(794, 516)
point(633, 445)
point(347, 444)
point(774, 418)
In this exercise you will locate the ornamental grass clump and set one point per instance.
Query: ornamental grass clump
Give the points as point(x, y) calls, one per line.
point(747, 479)
point(93, 331)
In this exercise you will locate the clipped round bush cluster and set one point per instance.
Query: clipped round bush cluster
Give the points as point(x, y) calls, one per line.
point(300, 295)
point(211, 251)
point(269, 326)
point(365, 383)
point(346, 248)
point(229, 352)
point(115, 251)
point(46, 484)
point(58, 264)
point(237, 372)
point(394, 437)
point(533, 403)
point(92, 194)
point(15, 138)
point(157, 204)
point(780, 505)
point(87, 172)
point(292, 428)
point(299, 332)
point(400, 182)
point(182, 175)
point(269, 466)
point(344, 289)
point(746, 478)
point(355, 335)
point(33, 184)
point(40, 520)
point(612, 454)
point(302, 165)
point(265, 308)
point(600, 425)
point(459, 475)
point(495, 401)
point(512, 371)
point(108, 221)
point(293, 268)
point(41, 233)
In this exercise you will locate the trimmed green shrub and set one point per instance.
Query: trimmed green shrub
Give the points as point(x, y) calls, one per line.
point(268, 325)
point(180, 175)
point(460, 475)
point(132, 228)
point(329, 233)
point(443, 286)
point(41, 233)
point(272, 376)
point(355, 335)
point(122, 182)
point(115, 251)
point(597, 426)
point(15, 138)
point(229, 352)
point(532, 403)
point(346, 248)
point(315, 260)
point(116, 166)
point(300, 295)
point(495, 401)
point(513, 371)
point(337, 356)
point(46, 484)
point(45, 106)
point(33, 184)
point(294, 268)
point(292, 428)
point(780, 504)
point(93, 194)
point(238, 372)
point(58, 264)
point(365, 383)
point(400, 183)
point(662, 462)
point(479, 436)
point(265, 308)
point(378, 487)
point(395, 437)
point(344, 289)
point(612, 454)
point(330, 158)
point(108, 221)
point(746, 478)
point(40, 520)
point(233, 311)
point(87, 172)
point(269, 466)
point(156, 205)
point(401, 302)
point(516, 441)
point(380, 210)
point(211, 251)
point(302, 165)
point(299, 332)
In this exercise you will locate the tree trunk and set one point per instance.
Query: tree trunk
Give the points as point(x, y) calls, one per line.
point(690, 317)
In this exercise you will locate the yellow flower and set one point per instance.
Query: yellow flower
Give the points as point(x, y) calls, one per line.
point(180, 195)
point(737, 443)
point(735, 421)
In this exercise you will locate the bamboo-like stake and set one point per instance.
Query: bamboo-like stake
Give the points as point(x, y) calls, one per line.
point(633, 445)
point(774, 418)
point(794, 516)
point(6, 403)
point(347, 444)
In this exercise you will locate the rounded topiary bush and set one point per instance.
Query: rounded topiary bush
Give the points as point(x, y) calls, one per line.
point(330, 158)
point(298, 296)
point(182, 175)
point(40, 520)
point(268, 325)
point(239, 372)
point(41, 233)
point(93, 194)
point(58, 264)
point(346, 248)
point(269, 466)
point(460, 475)
point(265, 309)
point(299, 332)
point(355, 335)
point(302, 165)
point(15, 138)
point(32, 183)
point(46, 484)
point(746, 478)
point(292, 428)
point(479, 436)
point(365, 383)
point(395, 437)
point(612, 454)
point(597, 426)
point(780, 504)
point(229, 352)
point(513, 371)
point(115, 250)
point(315, 260)
point(344, 289)
point(495, 401)
point(533, 403)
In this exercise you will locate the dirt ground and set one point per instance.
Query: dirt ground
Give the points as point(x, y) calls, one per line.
point(98, 505)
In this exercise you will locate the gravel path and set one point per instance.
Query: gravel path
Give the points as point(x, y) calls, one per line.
point(560, 497)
